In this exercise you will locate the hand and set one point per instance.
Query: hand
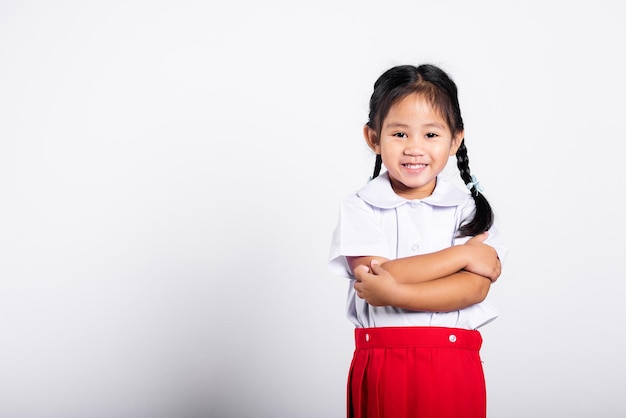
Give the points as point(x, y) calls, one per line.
point(375, 284)
point(483, 259)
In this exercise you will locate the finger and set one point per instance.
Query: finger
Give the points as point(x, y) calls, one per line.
point(360, 271)
point(375, 267)
point(496, 274)
point(480, 237)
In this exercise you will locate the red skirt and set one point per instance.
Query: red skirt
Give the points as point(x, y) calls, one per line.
point(408, 372)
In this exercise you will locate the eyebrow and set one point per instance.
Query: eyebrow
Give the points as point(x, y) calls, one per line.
point(396, 125)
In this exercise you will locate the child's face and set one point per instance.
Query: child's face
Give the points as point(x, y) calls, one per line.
point(415, 143)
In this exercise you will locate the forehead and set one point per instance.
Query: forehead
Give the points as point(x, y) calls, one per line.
point(414, 108)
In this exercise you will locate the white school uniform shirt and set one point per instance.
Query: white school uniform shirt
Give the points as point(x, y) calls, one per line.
point(375, 221)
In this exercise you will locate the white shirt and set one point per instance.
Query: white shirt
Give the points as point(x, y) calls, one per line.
point(375, 221)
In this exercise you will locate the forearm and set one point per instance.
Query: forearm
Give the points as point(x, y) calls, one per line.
point(450, 293)
point(427, 267)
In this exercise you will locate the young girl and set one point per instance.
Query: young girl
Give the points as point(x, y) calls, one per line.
point(421, 254)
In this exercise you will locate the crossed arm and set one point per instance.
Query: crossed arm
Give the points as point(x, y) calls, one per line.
point(446, 280)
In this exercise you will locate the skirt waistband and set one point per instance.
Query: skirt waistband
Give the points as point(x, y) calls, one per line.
point(418, 337)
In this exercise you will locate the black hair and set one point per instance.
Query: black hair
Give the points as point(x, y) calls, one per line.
point(441, 92)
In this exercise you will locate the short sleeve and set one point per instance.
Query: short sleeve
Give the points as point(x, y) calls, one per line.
point(494, 239)
point(359, 232)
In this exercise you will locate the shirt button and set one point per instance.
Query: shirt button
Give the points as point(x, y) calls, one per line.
point(414, 247)
point(413, 205)
point(452, 338)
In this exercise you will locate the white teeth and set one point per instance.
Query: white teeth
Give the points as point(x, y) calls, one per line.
point(414, 166)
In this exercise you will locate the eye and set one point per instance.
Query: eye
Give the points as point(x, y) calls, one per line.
point(400, 135)
point(431, 135)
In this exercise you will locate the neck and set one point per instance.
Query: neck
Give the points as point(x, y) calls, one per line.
point(413, 193)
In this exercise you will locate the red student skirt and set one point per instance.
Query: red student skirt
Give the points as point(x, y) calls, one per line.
point(409, 372)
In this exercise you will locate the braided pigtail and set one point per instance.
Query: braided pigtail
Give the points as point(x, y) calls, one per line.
point(377, 166)
point(483, 217)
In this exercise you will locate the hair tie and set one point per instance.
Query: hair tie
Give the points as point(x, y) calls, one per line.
point(475, 184)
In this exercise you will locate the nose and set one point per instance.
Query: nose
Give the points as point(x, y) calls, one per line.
point(414, 147)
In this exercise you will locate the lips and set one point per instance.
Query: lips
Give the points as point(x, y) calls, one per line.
point(414, 166)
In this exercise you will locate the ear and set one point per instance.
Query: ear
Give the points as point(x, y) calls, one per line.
point(457, 140)
point(372, 139)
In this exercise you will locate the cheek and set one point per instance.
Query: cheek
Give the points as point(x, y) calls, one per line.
point(450, 148)
point(384, 148)
point(443, 153)
point(390, 151)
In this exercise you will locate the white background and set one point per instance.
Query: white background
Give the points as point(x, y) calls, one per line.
point(170, 174)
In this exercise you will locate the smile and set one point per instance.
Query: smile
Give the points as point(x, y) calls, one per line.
point(414, 166)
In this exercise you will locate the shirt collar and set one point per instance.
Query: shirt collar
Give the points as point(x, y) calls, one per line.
point(379, 193)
